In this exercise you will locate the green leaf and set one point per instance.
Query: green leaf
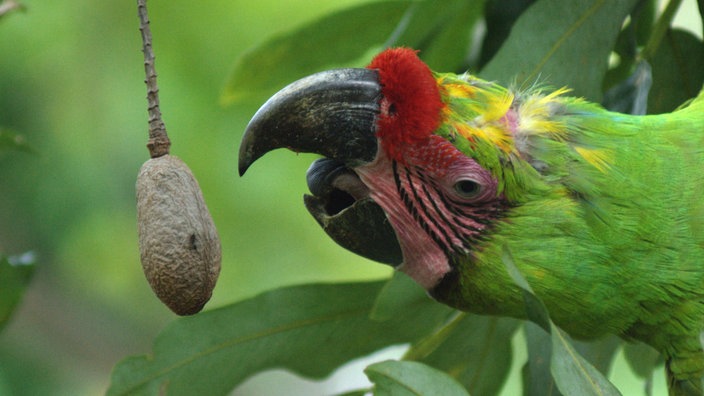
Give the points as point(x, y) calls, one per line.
point(339, 38)
point(642, 358)
point(12, 141)
point(449, 49)
point(634, 35)
point(536, 375)
point(360, 392)
point(535, 309)
point(411, 378)
point(678, 71)
point(599, 353)
point(441, 31)
point(631, 95)
point(572, 374)
point(476, 351)
point(556, 368)
point(700, 5)
point(500, 16)
point(399, 293)
point(551, 41)
point(310, 330)
point(15, 274)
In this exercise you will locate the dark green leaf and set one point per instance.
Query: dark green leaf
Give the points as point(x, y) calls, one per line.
point(15, 274)
point(561, 45)
point(643, 18)
point(421, 23)
point(535, 309)
point(338, 39)
point(310, 330)
point(678, 71)
point(12, 141)
point(442, 32)
point(537, 378)
point(633, 36)
point(700, 4)
point(411, 378)
point(641, 358)
point(477, 352)
point(360, 392)
point(631, 95)
point(500, 16)
point(399, 293)
point(572, 373)
point(600, 353)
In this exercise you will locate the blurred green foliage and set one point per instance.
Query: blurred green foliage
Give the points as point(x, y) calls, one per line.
point(71, 83)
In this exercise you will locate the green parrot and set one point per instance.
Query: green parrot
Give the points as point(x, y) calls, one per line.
point(602, 212)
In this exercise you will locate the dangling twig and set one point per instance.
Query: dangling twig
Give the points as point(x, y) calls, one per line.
point(159, 142)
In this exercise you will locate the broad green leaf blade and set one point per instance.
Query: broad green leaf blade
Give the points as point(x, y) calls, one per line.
point(450, 48)
point(536, 375)
point(700, 4)
point(634, 34)
point(15, 274)
point(599, 353)
point(360, 392)
point(573, 375)
point(396, 378)
point(421, 23)
point(310, 330)
point(12, 141)
point(500, 15)
point(535, 309)
point(678, 71)
point(339, 38)
point(477, 352)
point(398, 294)
point(642, 358)
point(442, 32)
point(562, 44)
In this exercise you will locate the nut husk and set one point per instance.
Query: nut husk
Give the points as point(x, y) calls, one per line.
point(178, 243)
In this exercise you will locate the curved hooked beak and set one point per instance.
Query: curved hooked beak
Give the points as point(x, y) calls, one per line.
point(332, 113)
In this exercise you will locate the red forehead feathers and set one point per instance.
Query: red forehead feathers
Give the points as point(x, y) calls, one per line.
point(411, 103)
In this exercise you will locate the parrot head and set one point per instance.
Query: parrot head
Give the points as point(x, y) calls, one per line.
point(433, 151)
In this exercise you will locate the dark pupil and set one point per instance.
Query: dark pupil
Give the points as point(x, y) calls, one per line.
point(467, 187)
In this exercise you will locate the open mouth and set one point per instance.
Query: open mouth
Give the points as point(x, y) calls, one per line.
point(337, 186)
point(341, 204)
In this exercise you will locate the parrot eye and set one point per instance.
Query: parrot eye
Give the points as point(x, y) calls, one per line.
point(468, 188)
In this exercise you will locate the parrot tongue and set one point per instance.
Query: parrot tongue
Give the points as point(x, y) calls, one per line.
point(341, 205)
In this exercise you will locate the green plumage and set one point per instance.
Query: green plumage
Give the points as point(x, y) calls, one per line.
point(608, 222)
point(602, 212)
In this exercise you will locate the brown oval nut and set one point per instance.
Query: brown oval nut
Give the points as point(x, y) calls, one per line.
point(178, 243)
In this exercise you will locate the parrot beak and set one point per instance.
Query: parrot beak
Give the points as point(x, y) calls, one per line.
point(332, 113)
